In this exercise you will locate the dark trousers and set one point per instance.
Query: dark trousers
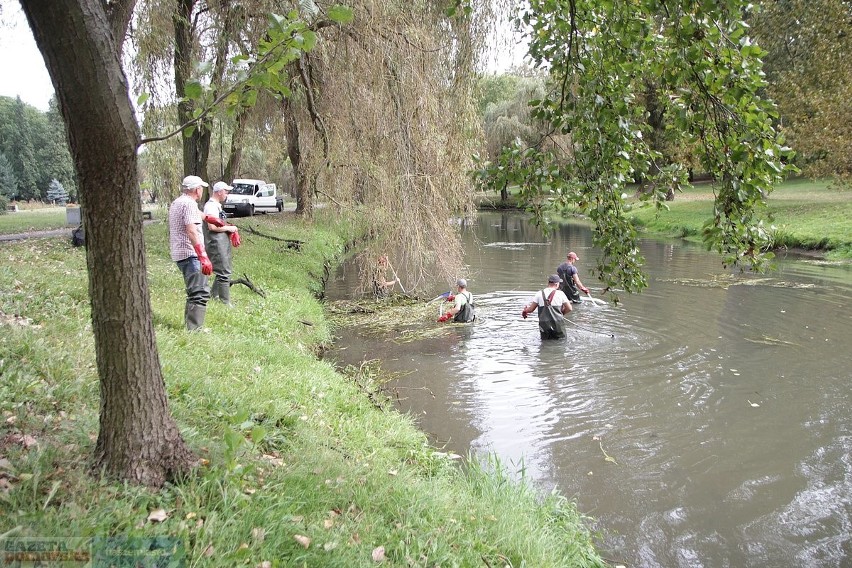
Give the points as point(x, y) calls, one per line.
point(197, 292)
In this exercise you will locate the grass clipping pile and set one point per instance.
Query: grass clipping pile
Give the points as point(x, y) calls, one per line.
point(400, 319)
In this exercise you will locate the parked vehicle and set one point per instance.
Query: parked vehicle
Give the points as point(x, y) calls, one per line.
point(250, 196)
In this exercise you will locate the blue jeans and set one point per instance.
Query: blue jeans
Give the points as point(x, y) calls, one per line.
point(197, 290)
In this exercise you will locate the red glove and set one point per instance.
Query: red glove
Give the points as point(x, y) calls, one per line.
point(214, 221)
point(235, 239)
point(586, 290)
point(524, 314)
point(206, 265)
point(451, 298)
point(444, 318)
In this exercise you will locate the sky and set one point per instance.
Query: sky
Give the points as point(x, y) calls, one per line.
point(22, 70)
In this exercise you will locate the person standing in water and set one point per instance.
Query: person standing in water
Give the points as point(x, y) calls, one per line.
point(463, 308)
point(552, 305)
point(571, 284)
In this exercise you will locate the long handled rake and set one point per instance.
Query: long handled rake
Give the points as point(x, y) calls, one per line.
point(401, 287)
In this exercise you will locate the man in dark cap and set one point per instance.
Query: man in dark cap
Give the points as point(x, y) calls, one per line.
point(552, 305)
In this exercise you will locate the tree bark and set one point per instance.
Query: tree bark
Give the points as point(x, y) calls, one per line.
point(138, 439)
point(304, 197)
point(235, 157)
point(196, 147)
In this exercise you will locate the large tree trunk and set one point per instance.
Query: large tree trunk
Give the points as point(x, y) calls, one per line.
point(196, 147)
point(304, 196)
point(138, 438)
point(235, 157)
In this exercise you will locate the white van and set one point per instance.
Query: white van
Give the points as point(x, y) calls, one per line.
point(250, 196)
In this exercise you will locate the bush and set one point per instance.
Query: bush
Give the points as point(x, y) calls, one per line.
point(4, 202)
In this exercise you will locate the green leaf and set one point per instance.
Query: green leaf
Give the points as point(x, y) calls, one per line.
point(257, 434)
point(233, 440)
point(193, 90)
point(142, 99)
point(341, 14)
point(250, 98)
point(309, 40)
point(277, 22)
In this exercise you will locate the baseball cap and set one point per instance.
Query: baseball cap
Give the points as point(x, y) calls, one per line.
point(554, 279)
point(461, 283)
point(190, 182)
point(573, 255)
point(221, 186)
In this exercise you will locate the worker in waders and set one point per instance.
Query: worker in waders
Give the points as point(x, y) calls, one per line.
point(463, 310)
point(552, 305)
point(382, 287)
point(571, 284)
point(220, 237)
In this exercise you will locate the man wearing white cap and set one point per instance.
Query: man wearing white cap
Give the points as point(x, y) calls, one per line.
point(571, 284)
point(186, 245)
point(220, 236)
point(463, 309)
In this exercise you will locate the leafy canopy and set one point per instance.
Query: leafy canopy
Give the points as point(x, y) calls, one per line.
point(600, 55)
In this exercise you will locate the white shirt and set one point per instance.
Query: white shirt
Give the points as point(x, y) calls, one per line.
point(461, 299)
point(213, 208)
point(559, 298)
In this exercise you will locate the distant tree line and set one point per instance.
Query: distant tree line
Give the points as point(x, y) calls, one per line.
point(34, 157)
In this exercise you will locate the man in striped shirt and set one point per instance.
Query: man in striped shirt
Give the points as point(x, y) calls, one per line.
point(186, 244)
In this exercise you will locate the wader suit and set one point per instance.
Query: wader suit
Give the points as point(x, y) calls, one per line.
point(551, 323)
point(466, 313)
point(220, 252)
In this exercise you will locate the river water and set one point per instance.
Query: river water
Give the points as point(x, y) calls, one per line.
point(702, 423)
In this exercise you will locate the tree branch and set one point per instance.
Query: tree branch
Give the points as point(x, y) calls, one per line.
point(246, 281)
point(290, 243)
point(119, 13)
point(208, 109)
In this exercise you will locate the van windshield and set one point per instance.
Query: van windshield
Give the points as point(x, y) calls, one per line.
point(242, 189)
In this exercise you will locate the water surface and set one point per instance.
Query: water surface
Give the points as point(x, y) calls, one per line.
point(703, 422)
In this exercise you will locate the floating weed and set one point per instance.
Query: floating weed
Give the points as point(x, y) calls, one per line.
point(401, 318)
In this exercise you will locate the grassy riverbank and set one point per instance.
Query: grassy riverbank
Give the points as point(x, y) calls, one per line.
point(807, 214)
point(303, 466)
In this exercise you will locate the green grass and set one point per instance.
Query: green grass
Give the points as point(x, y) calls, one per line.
point(805, 213)
point(32, 220)
point(46, 218)
point(292, 447)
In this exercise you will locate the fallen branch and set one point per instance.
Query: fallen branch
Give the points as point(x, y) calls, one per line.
point(246, 281)
point(289, 243)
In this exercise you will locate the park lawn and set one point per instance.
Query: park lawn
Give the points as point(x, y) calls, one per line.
point(302, 465)
point(806, 214)
point(47, 218)
point(27, 220)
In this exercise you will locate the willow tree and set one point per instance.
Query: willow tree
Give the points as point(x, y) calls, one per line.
point(384, 122)
point(191, 41)
point(600, 55)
